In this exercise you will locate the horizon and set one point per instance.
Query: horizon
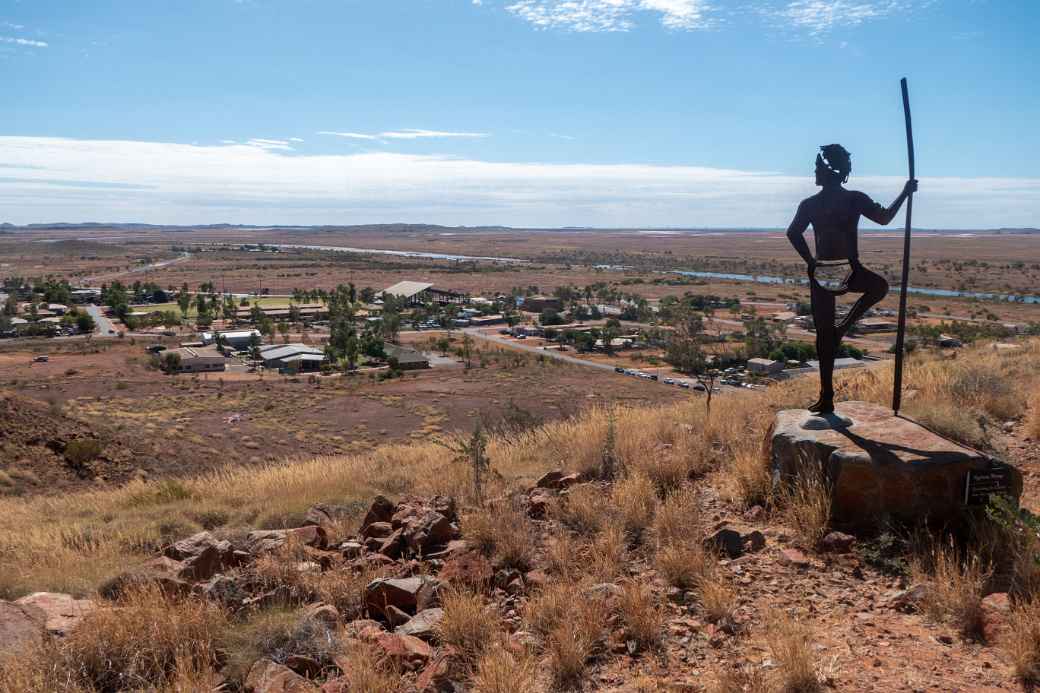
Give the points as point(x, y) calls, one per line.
point(520, 113)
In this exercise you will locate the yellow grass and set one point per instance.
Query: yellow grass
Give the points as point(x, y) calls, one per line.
point(71, 543)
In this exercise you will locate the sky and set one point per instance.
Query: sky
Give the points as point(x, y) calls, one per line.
point(544, 113)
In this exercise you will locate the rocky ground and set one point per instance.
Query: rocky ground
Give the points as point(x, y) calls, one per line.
point(382, 605)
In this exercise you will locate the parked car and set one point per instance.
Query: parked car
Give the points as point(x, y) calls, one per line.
point(668, 381)
point(683, 384)
point(43, 358)
point(653, 376)
point(619, 369)
point(699, 387)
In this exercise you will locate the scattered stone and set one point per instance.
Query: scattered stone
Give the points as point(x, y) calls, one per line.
point(911, 599)
point(224, 590)
point(266, 676)
point(325, 515)
point(62, 612)
point(378, 530)
point(203, 555)
point(172, 577)
point(837, 542)
point(404, 650)
point(735, 539)
point(996, 609)
point(351, 549)
point(21, 625)
point(322, 613)
point(265, 541)
point(794, 558)
point(303, 665)
point(538, 503)
point(471, 569)
point(423, 625)
point(381, 510)
point(407, 594)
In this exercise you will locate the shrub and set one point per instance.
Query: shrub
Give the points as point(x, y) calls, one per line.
point(789, 641)
point(468, 625)
point(955, 588)
point(82, 450)
point(807, 506)
point(1023, 642)
point(500, 671)
point(574, 641)
point(505, 532)
point(583, 509)
point(276, 634)
point(641, 616)
point(635, 499)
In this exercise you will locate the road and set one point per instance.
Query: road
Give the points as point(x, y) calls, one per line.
point(102, 324)
point(478, 333)
point(137, 270)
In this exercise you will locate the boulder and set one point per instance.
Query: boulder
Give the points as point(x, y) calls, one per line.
point(423, 625)
point(21, 625)
point(323, 613)
point(267, 540)
point(203, 555)
point(266, 676)
point(407, 594)
point(735, 539)
point(403, 650)
point(837, 542)
point(326, 515)
point(381, 510)
point(996, 610)
point(171, 576)
point(303, 665)
point(224, 590)
point(882, 467)
point(538, 502)
point(471, 569)
point(794, 558)
point(62, 612)
point(377, 530)
point(557, 481)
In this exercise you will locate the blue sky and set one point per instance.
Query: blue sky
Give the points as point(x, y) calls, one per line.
point(516, 112)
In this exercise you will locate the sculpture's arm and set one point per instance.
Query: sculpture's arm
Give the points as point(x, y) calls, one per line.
point(882, 215)
point(796, 234)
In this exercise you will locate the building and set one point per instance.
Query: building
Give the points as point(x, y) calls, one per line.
point(947, 341)
point(406, 359)
point(538, 303)
point(482, 320)
point(295, 357)
point(876, 325)
point(839, 364)
point(58, 308)
point(784, 316)
point(417, 293)
point(193, 360)
point(239, 339)
point(86, 295)
point(764, 366)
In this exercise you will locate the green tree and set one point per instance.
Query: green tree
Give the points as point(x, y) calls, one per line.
point(184, 301)
point(84, 323)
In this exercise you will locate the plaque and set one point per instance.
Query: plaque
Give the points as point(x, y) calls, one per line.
point(980, 485)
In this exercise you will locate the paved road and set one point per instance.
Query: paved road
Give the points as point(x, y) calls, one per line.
point(103, 326)
point(478, 333)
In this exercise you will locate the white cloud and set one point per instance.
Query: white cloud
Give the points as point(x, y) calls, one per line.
point(406, 134)
point(23, 42)
point(611, 15)
point(55, 179)
point(12, 25)
point(818, 17)
point(295, 139)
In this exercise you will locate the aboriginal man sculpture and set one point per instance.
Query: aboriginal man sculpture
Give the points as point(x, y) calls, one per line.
point(836, 270)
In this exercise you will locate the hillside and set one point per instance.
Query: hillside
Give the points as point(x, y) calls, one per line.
point(682, 571)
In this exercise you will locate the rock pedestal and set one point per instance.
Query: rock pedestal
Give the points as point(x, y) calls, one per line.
point(883, 467)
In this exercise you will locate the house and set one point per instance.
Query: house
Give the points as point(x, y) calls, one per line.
point(876, 325)
point(417, 293)
point(839, 364)
point(481, 320)
point(86, 295)
point(764, 366)
point(406, 359)
point(538, 303)
point(784, 316)
point(298, 357)
point(238, 339)
point(58, 308)
point(193, 360)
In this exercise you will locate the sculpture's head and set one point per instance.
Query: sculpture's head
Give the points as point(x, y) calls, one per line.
point(833, 165)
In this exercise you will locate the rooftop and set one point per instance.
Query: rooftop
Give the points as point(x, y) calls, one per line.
point(407, 289)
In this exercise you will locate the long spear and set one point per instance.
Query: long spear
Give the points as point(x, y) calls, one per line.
point(897, 390)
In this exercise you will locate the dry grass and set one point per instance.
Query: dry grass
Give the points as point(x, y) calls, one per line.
point(749, 679)
point(1022, 642)
point(146, 640)
point(503, 531)
point(955, 588)
point(635, 499)
point(1032, 428)
point(468, 625)
point(550, 606)
point(574, 641)
point(790, 642)
point(806, 507)
point(678, 517)
point(641, 615)
point(276, 634)
point(501, 671)
point(583, 509)
point(605, 559)
point(370, 673)
point(563, 556)
point(45, 546)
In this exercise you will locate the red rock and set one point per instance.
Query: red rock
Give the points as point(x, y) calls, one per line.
point(395, 617)
point(339, 684)
point(62, 612)
point(996, 609)
point(304, 666)
point(321, 612)
point(437, 676)
point(378, 530)
point(203, 554)
point(172, 577)
point(549, 480)
point(423, 625)
point(539, 501)
point(267, 677)
point(381, 510)
point(351, 549)
point(471, 569)
point(837, 542)
point(393, 545)
point(403, 593)
point(267, 540)
point(734, 539)
point(881, 465)
point(404, 650)
point(794, 558)
point(21, 625)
